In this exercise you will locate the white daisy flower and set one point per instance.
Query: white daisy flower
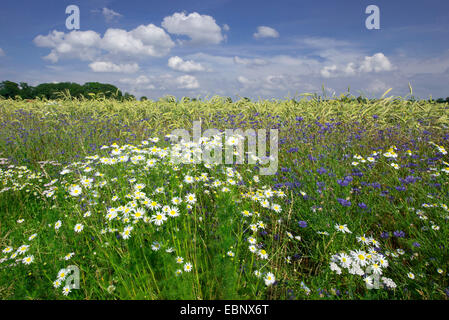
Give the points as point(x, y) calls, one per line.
point(79, 227)
point(188, 267)
point(269, 279)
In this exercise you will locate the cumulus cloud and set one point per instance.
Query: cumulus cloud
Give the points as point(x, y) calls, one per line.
point(177, 63)
point(201, 29)
point(375, 63)
point(266, 32)
point(2, 53)
point(252, 71)
point(148, 40)
point(187, 82)
point(106, 66)
point(350, 69)
point(327, 71)
point(82, 45)
point(110, 14)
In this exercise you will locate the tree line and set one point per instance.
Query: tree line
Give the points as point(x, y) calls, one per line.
point(9, 89)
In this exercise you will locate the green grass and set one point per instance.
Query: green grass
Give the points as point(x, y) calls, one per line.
point(319, 140)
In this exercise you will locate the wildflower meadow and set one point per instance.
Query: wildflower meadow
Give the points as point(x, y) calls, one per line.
point(98, 202)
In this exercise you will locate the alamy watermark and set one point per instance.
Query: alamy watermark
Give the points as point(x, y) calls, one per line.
point(207, 147)
point(373, 20)
point(73, 279)
point(372, 279)
point(73, 20)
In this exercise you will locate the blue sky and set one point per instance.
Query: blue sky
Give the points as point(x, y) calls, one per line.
point(266, 49)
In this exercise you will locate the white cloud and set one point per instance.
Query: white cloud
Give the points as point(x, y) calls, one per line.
point(135, 81)
point(250, 62)
point(147, 40)
point(164, 82)
point(177, 63)
point(350, 69)
point(106, 66)
point(269, 82)
point(144, 40)
point(274, 81)
point(428, 65)
point(260, 70)
point(226, 27)
point(376, 63)
point(110, 14)
point(267, 74)
point(266, 32)
point(140, 83)
point(331, 51)
point(322, 43)
point(327, 71)
point(201, 29)
point(243, 80)
point(216, 60)
point(82, 45)
point(2, 53)
point(187, 82)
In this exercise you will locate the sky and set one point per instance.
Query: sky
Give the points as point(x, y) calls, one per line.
point(245, 48)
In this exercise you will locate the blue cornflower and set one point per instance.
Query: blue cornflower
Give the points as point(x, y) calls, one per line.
point(302, 224)
point(344, 202)
point(385, 235)
point(362, 205)
point(399, 234)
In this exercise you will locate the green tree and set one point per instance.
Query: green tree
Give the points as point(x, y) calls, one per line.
point(128, 96)
point(26, 91)
point(9, 89)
